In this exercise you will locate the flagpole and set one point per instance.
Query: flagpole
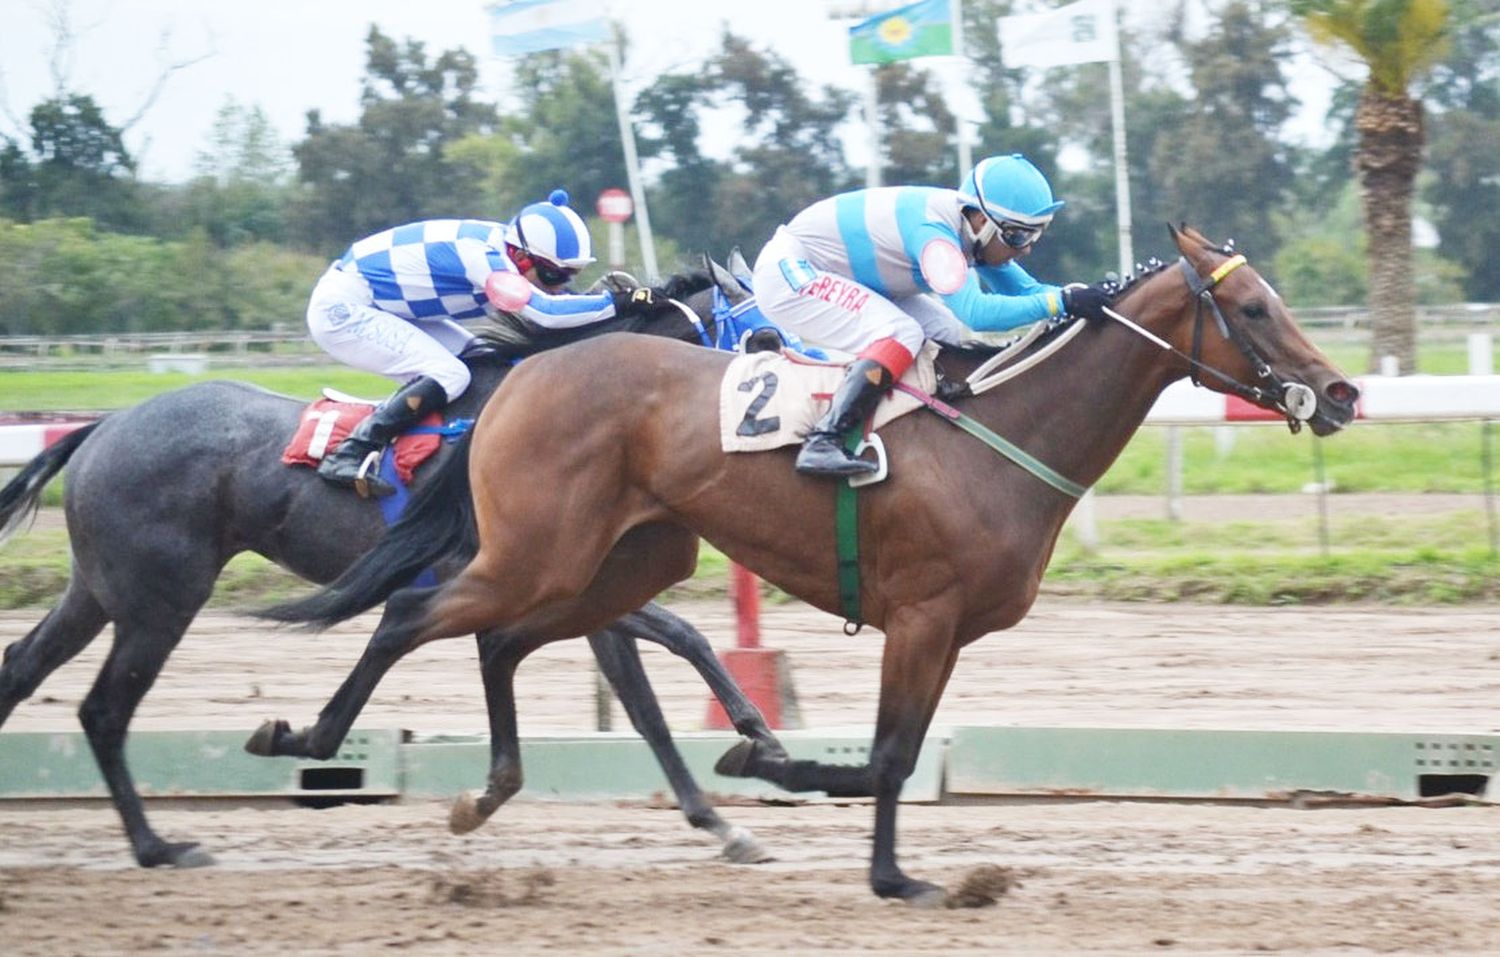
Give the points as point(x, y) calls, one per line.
point(965, 158)
point(872, 112)
point(1122, 170)
point(632, 165)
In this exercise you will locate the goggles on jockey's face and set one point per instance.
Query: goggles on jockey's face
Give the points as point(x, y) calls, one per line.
point(1017, 236)
point(550, 274)
point(1013, 234)
point(547, 273)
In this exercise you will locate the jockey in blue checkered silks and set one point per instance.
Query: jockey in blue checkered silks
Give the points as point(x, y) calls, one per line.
point(875, 272)
point(392, 304)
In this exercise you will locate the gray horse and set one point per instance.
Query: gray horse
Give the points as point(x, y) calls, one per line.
point(159, 498)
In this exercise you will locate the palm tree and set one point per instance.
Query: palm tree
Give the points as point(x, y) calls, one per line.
point(1398, 40)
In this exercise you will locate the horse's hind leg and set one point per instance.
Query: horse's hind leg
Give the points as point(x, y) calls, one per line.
point(140, 650)
point(499, 656)
point(66, 630)
point(620, 662)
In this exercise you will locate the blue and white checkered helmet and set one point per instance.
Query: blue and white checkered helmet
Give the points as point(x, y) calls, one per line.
point(1011, 190)
point(552, 231)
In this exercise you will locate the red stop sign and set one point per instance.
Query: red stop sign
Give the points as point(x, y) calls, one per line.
point(614, 205)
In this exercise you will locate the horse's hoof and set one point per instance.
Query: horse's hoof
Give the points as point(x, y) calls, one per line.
point(916, 893)
point(736, 760)
point(465, 815)
point(741, 847)
point(929, 897)
point(263, 741)
point(192, 855)
point(183, 855)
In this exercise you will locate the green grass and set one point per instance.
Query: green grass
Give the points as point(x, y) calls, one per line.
point(109, 389)
point(1273, 563)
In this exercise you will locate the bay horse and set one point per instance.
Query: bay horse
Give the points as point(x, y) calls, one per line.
point(578, 525)
point(161, 495)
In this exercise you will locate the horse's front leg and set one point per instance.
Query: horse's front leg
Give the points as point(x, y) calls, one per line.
point(914, 670)
point(655, 623)
point(620, 663)
point(401, 629)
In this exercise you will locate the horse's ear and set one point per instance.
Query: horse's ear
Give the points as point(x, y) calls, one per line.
point(725, 280)
point(1179, 236)
point(739, 267)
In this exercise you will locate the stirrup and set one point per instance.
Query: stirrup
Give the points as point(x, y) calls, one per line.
point(871, 441)
point(367, 481)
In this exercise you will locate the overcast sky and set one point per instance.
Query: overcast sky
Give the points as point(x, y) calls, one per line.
point(287, 56)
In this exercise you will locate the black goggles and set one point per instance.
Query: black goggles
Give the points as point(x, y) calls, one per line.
point(552, 275)
point(1017, 236)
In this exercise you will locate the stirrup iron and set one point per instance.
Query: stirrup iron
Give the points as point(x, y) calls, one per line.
point(871, 441)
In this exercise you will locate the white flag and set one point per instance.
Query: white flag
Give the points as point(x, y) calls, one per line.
point(1082, 32)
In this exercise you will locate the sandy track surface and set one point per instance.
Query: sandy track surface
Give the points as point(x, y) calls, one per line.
point(1122, 665)
point(1095, 877)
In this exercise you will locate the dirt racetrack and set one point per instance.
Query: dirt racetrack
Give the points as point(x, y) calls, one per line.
point(1099, 877)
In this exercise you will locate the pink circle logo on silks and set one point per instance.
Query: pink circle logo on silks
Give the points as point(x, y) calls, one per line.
point(944, 267)
point(508, 291)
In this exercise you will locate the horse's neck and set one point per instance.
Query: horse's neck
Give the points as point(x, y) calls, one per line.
point(1089, 399)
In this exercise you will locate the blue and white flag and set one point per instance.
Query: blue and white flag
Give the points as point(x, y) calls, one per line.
point(531, 26)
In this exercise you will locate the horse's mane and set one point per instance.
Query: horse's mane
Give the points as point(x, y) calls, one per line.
point(510, 337)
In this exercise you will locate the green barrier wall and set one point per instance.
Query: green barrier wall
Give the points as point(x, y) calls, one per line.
point(959, 763)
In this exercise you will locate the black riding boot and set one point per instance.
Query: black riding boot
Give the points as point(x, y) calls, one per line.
point(406, 406)
point(823, 451)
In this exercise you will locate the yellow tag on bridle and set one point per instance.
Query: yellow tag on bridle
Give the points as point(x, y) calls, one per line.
point(1229, 266)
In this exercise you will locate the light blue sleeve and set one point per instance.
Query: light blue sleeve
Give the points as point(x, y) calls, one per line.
point(567, 310)
point(1017, 299)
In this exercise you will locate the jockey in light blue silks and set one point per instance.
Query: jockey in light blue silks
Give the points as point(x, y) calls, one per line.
point(875, 272)
point(390, 305)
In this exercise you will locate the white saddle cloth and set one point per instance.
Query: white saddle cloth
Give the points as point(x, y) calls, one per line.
point(771, 399)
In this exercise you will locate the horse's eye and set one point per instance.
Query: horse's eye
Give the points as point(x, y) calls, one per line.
point(1254, 310)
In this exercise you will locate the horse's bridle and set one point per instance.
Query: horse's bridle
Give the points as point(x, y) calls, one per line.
point(1293, 399)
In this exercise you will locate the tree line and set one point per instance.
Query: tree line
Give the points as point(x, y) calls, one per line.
point(89, 246)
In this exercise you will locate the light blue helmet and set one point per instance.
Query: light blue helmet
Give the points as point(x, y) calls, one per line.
point(1009, 189)
point(552, 231)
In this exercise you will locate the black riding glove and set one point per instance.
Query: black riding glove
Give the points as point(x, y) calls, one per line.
point(1086, 302)
point(642, 301)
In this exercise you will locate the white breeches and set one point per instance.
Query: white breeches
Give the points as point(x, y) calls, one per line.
point(343, 322)
point(831, 310)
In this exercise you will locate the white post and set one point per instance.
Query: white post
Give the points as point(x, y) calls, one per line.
point(632, 165)
point(616, 245)
point(1481, 354)
point(1122, 170)
point(965, 158)
point(872, 114)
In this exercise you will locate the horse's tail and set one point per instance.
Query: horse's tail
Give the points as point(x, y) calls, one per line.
point(438, 525)
point(22, 495)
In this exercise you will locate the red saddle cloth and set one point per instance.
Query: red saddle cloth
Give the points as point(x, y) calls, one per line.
point(325, 423)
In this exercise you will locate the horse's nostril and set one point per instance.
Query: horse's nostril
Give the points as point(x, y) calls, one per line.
point(1344, 393)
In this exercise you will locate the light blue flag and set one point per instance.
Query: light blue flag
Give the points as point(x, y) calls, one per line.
point(531, 26)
